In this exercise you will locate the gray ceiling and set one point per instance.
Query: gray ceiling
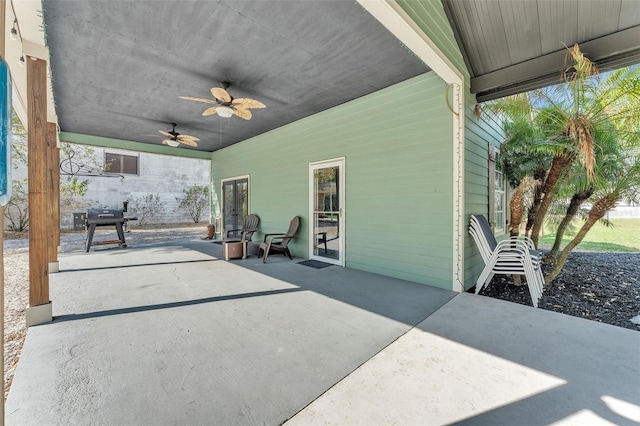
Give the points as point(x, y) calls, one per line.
point(511, 46)
point(119, 66)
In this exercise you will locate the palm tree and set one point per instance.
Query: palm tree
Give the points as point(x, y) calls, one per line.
point(575, 110)
point(609, 192)
point(580, 187)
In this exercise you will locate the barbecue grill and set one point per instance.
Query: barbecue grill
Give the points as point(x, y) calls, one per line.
point(105, 217)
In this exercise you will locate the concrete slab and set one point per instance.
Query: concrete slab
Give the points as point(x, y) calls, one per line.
point(484, 361)
point(172, 334)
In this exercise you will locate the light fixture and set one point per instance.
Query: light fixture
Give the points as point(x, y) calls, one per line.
point(14, 30)
point(21, 61)
point(172, 143)
point(224, 111)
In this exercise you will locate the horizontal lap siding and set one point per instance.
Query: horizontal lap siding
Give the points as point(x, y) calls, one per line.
point(398, 148)
point(479, 133)
point(432, 20)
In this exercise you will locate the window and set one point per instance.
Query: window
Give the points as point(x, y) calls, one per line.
point(497, 194)
point(499, 201)
point(120, 163)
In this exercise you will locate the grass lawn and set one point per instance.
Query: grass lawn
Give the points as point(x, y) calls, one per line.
point(623, 236)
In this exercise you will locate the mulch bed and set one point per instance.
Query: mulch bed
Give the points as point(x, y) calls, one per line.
point(603, 287)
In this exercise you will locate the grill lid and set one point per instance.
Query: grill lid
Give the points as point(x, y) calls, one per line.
point(104, 215)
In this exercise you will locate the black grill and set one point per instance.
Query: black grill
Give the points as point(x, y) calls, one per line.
point(105, 217)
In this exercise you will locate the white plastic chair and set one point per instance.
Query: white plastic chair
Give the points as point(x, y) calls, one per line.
point(513, 256)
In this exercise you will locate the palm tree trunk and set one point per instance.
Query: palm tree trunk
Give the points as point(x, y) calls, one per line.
point(540, 176)
point(576, 201)
point(516, 206)
point(559, 165)
point(597, 212)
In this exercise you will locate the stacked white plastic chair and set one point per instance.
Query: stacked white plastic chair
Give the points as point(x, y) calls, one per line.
point(513, 256)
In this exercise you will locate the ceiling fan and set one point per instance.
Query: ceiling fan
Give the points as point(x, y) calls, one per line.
point(226, 105)
point(174, 138)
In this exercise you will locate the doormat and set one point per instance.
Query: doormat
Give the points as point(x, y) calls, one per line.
point(315, 264)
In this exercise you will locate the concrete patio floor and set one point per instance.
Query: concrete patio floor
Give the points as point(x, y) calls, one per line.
point(172, 334)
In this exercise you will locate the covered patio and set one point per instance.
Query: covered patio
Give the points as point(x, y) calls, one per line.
point(173, 334)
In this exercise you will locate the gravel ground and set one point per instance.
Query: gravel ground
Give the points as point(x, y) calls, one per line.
point(603, 287)
point(16, 275)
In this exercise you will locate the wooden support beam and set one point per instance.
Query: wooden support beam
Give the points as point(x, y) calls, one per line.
point(3, 6)
point(50, 187)
point(37, 166)
point(56, 191)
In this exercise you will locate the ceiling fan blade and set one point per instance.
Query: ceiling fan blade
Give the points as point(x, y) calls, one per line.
point(209, 111)
point(220, 93)
point(167, 134)
point(188, 142)
point(206, 101)
point(187, 137)
point(247, 103)
point(242, 113)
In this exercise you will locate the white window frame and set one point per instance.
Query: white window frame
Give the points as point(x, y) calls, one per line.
point(496, 190)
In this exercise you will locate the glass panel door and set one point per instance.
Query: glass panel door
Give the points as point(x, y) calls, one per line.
point(235, 196)
point(327, 216)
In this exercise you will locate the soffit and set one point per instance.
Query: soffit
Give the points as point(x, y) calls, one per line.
point(512, 46)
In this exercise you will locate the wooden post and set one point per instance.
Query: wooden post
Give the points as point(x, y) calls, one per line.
point(37, 166)
point(50, 187)
point(56, 192)
point(3, 6)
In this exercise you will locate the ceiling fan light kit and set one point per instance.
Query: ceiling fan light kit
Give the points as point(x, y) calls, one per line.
point(224, 111)
point(172, 143)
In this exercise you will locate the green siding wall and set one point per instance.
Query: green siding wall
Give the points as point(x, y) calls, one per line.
point(479, 133)
point(397, 144)
point(432, 20)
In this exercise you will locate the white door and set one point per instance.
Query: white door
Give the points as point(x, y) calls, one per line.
point(326, 210)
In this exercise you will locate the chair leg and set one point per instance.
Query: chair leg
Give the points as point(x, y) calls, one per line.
point(288, 253)
point(266, 253)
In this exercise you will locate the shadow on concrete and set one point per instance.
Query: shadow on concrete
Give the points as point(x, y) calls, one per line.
point(587, 372)
point(133, 309)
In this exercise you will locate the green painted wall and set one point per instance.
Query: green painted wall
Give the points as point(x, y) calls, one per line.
point(479, 134)
point(398, 148)
point(430, 16)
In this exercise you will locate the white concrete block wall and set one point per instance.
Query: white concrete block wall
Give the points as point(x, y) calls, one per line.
point(157, 174)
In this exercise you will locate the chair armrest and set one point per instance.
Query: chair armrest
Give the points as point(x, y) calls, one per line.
point(232, 230)
point(525, 239)
point(272, 236)
point(513, 246)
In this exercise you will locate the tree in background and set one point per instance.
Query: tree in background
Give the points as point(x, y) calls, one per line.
point(17, 209)
point(195, 201)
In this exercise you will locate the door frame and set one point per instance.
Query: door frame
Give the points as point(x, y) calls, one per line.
point(222, 182)
point(341, 162)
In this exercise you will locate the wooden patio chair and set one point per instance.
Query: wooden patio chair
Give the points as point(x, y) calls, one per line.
point(249, 226)
point(512, 256)
point(277, 243)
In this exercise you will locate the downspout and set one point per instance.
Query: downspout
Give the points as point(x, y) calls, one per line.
point(398, 22)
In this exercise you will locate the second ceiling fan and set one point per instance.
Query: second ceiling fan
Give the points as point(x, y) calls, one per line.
point(225, 105)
